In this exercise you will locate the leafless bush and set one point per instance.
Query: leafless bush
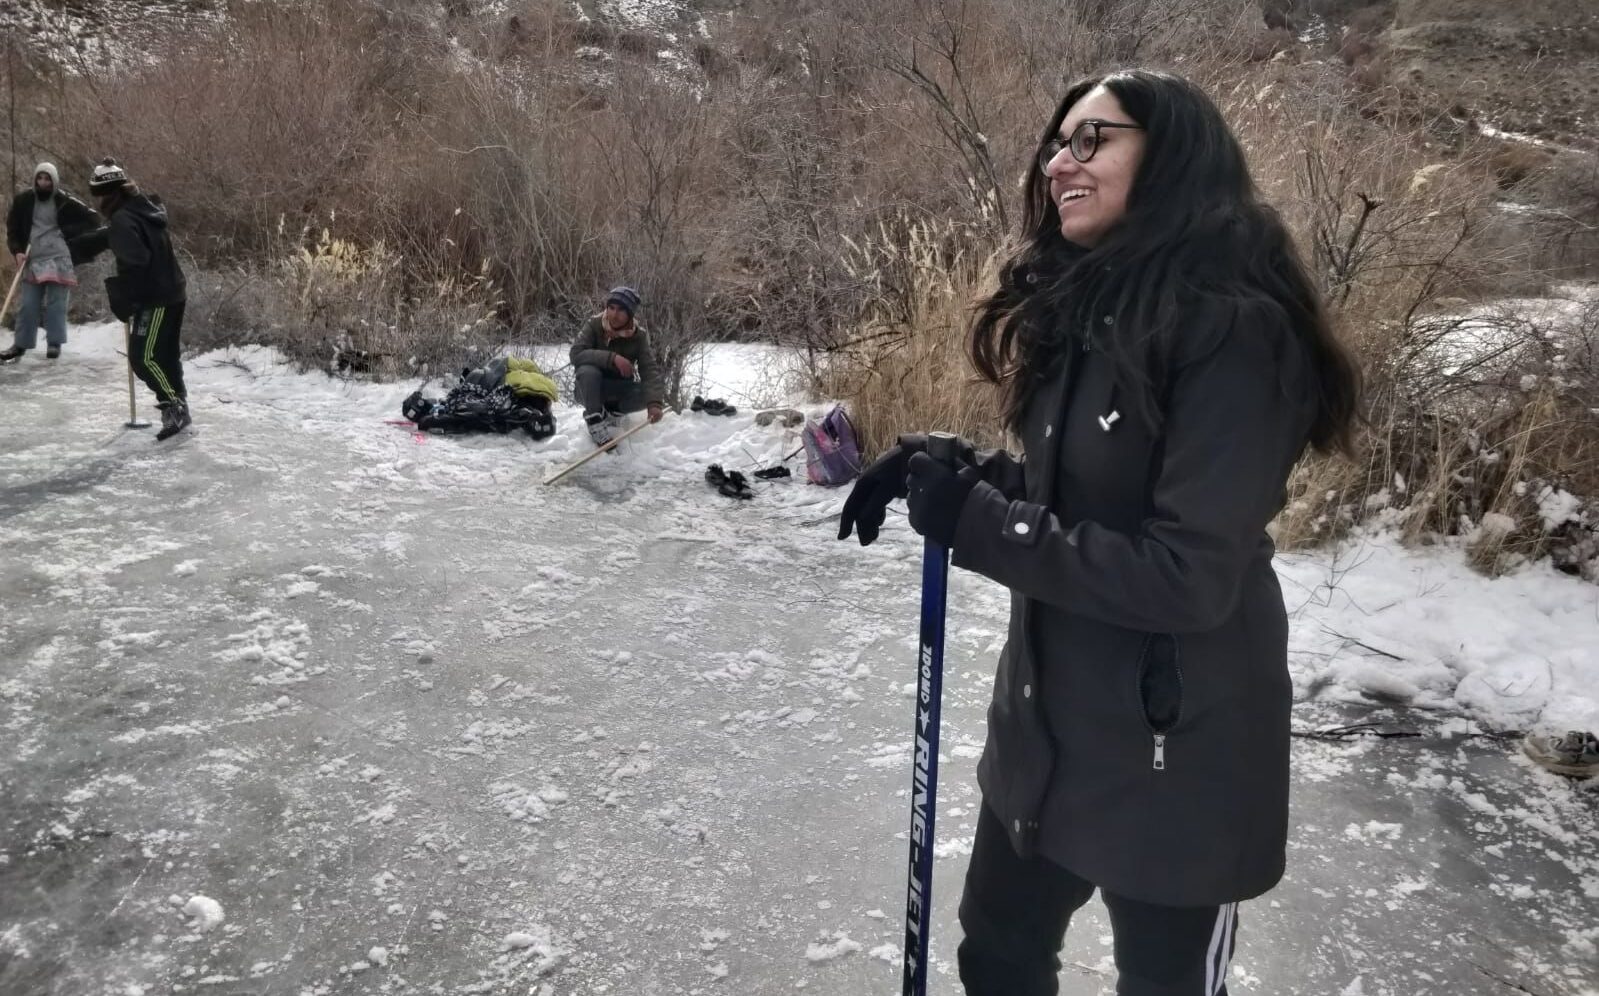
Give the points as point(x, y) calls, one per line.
point(907, 369)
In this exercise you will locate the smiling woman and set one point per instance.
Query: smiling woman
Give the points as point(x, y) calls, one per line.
point(1165, 360)
point(1090, 173)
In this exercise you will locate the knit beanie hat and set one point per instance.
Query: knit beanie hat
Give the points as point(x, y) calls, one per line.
point(50, 170)
point(107, 177)
point(625, 298)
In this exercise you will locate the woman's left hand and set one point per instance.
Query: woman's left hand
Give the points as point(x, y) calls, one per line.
point(938, 492)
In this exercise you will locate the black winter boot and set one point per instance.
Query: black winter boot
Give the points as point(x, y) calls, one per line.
point(174, 419)
point(599, 428)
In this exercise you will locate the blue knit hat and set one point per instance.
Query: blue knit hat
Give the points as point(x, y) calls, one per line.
point(625, 298)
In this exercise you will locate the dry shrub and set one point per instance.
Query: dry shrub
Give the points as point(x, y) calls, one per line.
point(360, 308)
point(272, 113)
point(908, 370)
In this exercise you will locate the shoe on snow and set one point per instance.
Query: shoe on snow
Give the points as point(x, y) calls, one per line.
point(1576, 754)
point(735, 486)
point(716, 406)
point(773, 473)
point(698, 405)
point(416, 407)
point(174, 419)
point(53, 352)
point(11, 355)
point(541, 425)
point(599, 428)
point(715, 476)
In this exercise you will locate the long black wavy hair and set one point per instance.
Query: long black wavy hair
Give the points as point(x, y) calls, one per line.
point(1196, 235)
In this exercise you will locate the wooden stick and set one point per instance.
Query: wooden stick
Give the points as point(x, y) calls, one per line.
point(133, 409)
point(608, 446)
point(15, 282)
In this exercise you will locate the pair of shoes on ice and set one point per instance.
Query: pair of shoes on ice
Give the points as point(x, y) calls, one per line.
point(14, 354)
point(174, 419)
point(1576, 754)
point(712, 406)
point(728, 482)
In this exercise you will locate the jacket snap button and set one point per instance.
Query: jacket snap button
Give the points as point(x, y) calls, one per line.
point(1022, 528)
point(1047, 430)
point(1109, 320)
point(1027, 691)
point(1018, 826)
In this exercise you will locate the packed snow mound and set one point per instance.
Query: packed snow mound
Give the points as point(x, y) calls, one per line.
point(206, 913)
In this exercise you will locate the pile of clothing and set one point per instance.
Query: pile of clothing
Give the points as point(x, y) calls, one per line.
point(503, 395)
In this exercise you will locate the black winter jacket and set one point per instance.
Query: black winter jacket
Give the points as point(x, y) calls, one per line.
point(75, 218)
point(148, 274)
point(1139, 730)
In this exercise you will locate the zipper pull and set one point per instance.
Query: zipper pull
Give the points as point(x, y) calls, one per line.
point(1160, 752)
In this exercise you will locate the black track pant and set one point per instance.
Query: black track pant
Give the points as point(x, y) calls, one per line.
point(153, 350)
point(1015, 913)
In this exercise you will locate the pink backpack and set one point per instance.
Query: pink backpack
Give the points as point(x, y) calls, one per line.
point(832, 455)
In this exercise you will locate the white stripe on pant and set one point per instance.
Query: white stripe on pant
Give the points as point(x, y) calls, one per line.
point(1221, 949)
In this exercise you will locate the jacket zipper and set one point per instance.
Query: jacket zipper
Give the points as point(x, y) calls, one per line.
point(1159, 761)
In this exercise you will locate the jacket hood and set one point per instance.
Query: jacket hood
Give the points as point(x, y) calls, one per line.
point(49, 169)
point(150, 210)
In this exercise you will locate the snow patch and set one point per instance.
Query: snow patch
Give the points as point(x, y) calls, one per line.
point(206, 913)
point(830, 948)
point(888, 953)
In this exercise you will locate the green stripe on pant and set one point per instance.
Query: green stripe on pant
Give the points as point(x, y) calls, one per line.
point(162, 385)
point(156, 360)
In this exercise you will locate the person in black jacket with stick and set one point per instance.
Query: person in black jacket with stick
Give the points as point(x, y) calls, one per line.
point(1165, 360)
point(147, 291)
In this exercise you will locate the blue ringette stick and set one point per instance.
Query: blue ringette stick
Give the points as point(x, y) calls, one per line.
point(924, 750)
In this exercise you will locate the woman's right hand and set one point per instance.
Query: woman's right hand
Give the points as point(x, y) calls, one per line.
point(879, 484)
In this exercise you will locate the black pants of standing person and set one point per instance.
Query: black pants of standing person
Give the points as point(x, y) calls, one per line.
point(1015, 912)
point(153, 350)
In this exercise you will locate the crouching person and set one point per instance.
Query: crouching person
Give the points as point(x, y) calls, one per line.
point(615, 368)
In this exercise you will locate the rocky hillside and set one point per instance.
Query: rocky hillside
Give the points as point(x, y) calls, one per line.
point(74, 32)
point(1529, 68)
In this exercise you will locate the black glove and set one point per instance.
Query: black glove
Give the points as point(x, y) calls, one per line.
point(879, 484)
point(938, 493)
